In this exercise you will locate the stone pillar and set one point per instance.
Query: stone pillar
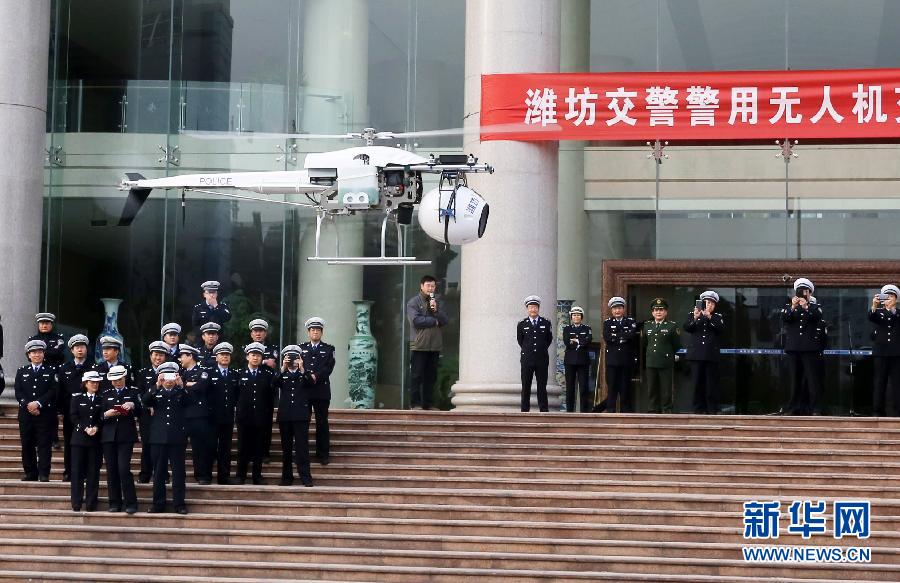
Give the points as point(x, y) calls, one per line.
point(24, 42)
point(573, 270)
point(335, 78)
point(517, 255)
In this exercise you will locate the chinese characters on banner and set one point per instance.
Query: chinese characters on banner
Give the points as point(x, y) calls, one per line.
point(750, 105)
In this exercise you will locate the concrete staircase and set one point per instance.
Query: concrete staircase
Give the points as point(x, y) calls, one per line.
point(434, 496)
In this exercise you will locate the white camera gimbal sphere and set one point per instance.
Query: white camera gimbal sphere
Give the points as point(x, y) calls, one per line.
point(454, 220)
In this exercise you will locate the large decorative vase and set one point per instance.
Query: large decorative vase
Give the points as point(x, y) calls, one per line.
point(363, 359)
point(562, 319)
point(110, 327)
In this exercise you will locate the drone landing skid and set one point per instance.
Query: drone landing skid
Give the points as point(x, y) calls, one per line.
point(383, 259)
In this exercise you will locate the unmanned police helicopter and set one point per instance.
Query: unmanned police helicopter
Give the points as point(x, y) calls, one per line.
point(352, 180)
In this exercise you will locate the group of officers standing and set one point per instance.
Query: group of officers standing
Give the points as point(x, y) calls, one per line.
point(188, 393)
point(803, 337)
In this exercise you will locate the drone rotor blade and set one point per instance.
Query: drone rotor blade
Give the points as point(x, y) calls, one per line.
point(136, 199)
point(210, 135)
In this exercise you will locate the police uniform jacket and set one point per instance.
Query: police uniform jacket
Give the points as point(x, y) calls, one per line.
point(577, 354)
point(293, 396)
point(172, 354)
point(40, 386)
point(199, 406)
point(145, 379)
point(222, 392)
point(84, 413)
point(55, 354)
point(319, 361)
point(104, 367)
point(206, 358)
point(534, 340)
point(885, 332)
point(663, 339)
point(255, 398)
point(120, 428)
point(270, 353)
point(167, 425)
point(705, 340)
point(618, 335)
point(69, 375)
point(800, 334)
point(204, 313)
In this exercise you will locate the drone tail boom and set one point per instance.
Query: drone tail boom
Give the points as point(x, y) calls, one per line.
point(137, 196)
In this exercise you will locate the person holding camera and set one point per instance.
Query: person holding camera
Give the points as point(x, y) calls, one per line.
point(885, 348)
point(577, 338)
point(705, 326)
point(663, 339)
point(86, 414)
point(619, 332)
point(168, 438)
point(426, 321)
point(535, 336)
point(121, 405)
point(293, 416)
point(803, 349)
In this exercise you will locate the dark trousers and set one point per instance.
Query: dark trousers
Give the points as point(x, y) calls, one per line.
point(200, 432)
point(886, 372)
point(251, 447)
point(423, 366)
point(577, 376)
point(36, 432)
point(618, 383)
point(267, 439)
point(165, 455)
point(119, 481)
point(146, 471)
point(295, 449)
point(67, 447)
point(805, 369)
point(705, 375)
point(659, 389)
point(319, 407)
point(539, 373)
point(224, 436)
point(86, 460)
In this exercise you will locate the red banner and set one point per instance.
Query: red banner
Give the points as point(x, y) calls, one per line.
point(749, 105)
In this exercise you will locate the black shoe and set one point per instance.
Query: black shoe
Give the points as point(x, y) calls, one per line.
point(43, 478)
point(76, 508)
point(67, 478)
point(155, 510)
point(307, 482)
point(114, 508)
point(267, 459)
point(239, 481)
point(286, 482)
point(131, 509)
point(56, 445)
point(324, 460)
point(91, 509)
point(204, 482)
point(27, 478)
point(181, 510)
point(258, 481)
point(143, 479)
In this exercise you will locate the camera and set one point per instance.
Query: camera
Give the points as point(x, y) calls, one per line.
point(883, 297)
point(700, 304)
point(801, 292)
point(170, 376)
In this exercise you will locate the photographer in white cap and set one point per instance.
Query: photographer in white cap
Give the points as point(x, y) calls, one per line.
point(885, 321)
point(803, 349)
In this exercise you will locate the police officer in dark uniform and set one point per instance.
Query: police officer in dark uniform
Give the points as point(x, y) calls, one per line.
point(253, 412)
point(293, 416)
point(209, 334)
point(577, 338)
point(210, 309)
point(706, 327)
point(56, 343)
point(36, 388)
point(318, 362)
point(121, 405)
point(535, 336)
point(86, 414)
point(222, 393)
point(197, 413)
point(619, 332)
point(170, 334)
point(70, 384)
point(168, 437)
point(259, 332)
point(803, 349)
point(145, 380)
point(885, 348)
point(111, 349)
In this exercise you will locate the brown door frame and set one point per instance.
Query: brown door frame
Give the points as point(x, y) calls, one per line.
point(621, 274)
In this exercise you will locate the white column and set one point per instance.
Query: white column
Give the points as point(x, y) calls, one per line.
point(517, 255)
point(575, 49)
point(24, 42)
point(335, 77)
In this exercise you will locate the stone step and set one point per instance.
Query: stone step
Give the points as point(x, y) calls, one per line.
point(356, 564)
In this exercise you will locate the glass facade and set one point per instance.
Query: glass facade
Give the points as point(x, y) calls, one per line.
point(130, 97)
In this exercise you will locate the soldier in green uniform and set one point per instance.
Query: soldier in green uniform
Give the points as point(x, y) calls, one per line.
point(663, 340)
